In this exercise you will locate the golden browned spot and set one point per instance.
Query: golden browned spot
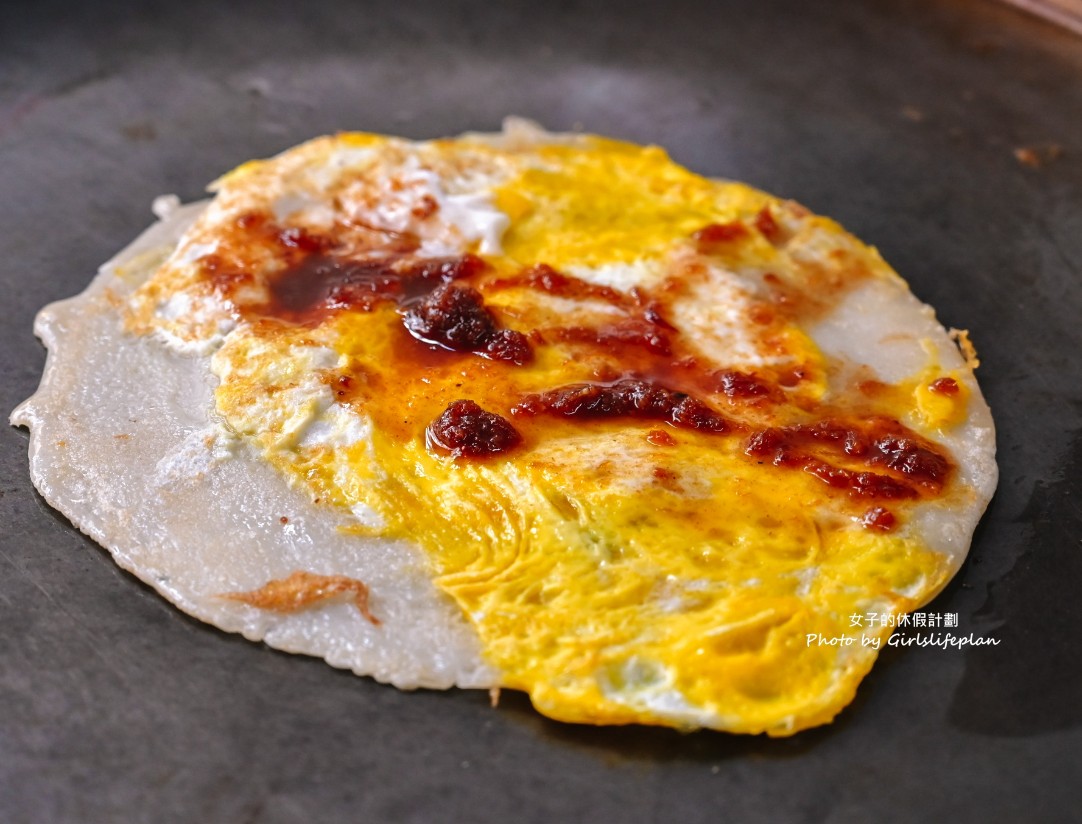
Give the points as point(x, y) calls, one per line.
point(303, 589)
point(112, 298)
point(965, 346)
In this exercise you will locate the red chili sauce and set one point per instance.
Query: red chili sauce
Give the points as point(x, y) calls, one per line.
point(647, 372)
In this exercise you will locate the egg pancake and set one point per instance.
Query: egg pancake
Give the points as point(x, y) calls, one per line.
point(524, 410)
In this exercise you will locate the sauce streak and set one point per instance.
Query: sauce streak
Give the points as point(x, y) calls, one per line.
point(544, 278)
point(643, 369)
point(320, 284)
point(884, 444)
point(631, 332)
point(734, 384)
point(767, 226)
point(716, 234)
point(876, 459)
point(626, 398)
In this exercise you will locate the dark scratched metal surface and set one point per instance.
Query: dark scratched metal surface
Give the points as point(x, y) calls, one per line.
point(898, 118)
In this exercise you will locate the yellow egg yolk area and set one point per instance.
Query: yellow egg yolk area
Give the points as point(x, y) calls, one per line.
point(615, 203)
point(624, 567)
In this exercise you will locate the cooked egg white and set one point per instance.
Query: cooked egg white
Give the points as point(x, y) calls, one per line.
point(618, 570)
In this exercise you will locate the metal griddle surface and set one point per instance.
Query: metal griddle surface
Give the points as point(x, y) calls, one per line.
point(897, 118)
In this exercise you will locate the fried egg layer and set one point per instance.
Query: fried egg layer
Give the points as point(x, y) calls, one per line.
point(628, 563)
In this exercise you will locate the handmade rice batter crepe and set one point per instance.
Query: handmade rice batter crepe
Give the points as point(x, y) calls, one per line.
point(537, 411)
